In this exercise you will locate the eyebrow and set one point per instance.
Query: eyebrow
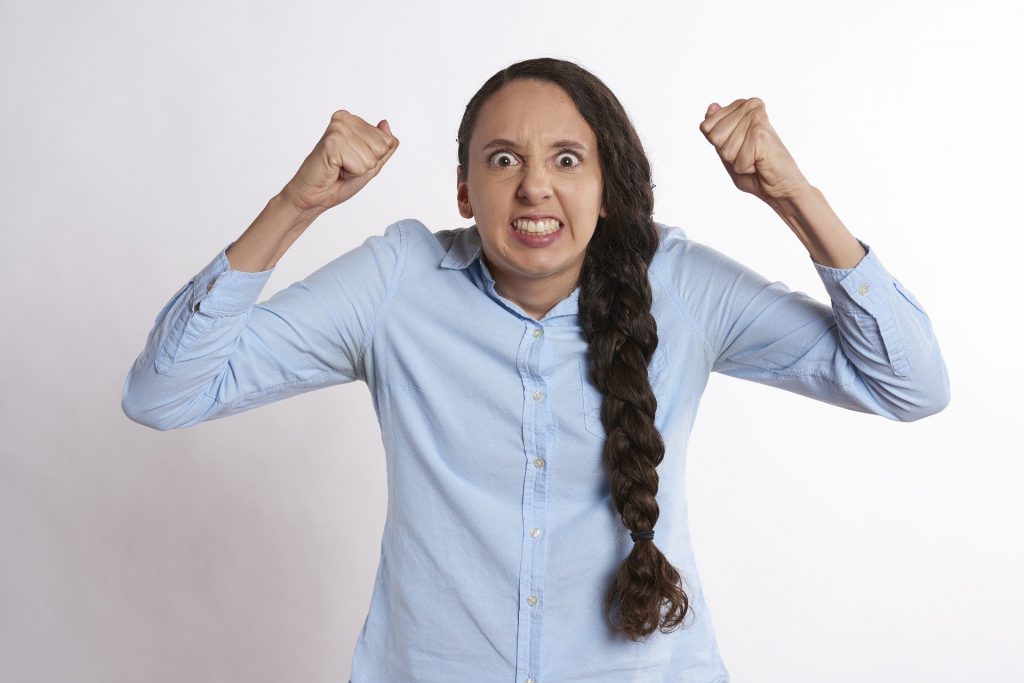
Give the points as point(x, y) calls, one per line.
point(502, 142)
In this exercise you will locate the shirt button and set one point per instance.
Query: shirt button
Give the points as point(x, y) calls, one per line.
point(532, 600)
point(537, 332)
point(863, 289)
point(538, 395)
point(530, 680)
point(535, 532)
point(538, 463)
point(209, 286)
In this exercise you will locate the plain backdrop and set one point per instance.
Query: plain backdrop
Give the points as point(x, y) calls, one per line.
point(139, 138)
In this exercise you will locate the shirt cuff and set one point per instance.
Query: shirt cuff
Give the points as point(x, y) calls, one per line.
point(863, 284)
point(219, 290)
point(867, 286)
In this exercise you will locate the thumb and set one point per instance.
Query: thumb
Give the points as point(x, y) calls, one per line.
point(386, 127)
point(712, 109)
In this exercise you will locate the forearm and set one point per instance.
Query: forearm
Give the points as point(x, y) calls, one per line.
point(817, 226)
point(266, 240)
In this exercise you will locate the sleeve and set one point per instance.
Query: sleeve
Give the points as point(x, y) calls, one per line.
point(872, 350)
point(213, 351)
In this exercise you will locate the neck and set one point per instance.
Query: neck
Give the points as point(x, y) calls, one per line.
point(536, 296)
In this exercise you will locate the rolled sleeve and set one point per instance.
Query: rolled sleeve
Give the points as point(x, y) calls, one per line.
point(226, 291)
point(217, 290)
point(867, 289)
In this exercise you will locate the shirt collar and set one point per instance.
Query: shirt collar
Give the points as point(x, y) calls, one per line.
point(465, 249)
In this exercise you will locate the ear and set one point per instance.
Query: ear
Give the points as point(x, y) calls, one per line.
point(604, 214)
point(462, 195)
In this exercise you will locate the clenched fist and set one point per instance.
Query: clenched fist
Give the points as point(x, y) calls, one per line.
point(752, 152)
point(347, 157)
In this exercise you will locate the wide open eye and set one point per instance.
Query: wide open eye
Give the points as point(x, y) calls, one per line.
point(495, 162)
point(578, 159)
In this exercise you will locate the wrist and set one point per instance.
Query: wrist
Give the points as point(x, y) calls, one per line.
point(284, 201)
point(802, 202)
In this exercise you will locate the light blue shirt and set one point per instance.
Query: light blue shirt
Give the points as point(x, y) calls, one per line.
point(501, 536)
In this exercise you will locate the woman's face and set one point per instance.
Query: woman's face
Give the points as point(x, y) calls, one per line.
point(533, 154)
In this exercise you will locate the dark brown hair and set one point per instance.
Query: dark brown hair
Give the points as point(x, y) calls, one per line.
point(615, 314)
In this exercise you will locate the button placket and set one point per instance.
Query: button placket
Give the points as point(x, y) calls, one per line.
point(538, 440)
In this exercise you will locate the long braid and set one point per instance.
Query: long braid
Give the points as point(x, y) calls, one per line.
point(615, 314)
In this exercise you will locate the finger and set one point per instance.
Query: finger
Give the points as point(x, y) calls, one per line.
point(753, 140)
point(732, 145)
point(386, 127)
point(721, 131)
point(748, 152)
point(376, 138)
point(367, 154)
point(713, 117)
point(357, 156)
point(384, 159)
point(390, 137)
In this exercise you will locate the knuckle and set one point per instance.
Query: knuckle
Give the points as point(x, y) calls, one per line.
point(334, 137)
point(755, 106)
point(356, 167)
point(337, 125)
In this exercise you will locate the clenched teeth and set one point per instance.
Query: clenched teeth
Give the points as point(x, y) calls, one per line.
point(542, 227)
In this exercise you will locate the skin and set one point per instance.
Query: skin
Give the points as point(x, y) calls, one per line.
point(535, 178)
point(759, 164)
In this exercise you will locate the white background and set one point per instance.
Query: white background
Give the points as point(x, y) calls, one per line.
point(138, 139)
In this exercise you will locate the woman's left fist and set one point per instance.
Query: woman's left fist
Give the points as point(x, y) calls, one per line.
point(752, 152)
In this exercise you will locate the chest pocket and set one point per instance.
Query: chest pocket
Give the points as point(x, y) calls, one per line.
point(592, 398)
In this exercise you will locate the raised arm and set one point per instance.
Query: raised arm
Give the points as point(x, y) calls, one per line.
point(872, 350)
point(213, 351)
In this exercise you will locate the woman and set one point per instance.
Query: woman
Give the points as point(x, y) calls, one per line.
point(536, 374)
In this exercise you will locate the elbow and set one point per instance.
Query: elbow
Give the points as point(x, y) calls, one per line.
point(923, 409)
point(142, 417)
point(931, 401)
point(135, 408)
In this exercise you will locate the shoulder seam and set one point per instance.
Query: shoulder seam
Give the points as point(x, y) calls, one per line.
point(396, 275)
point(689, 319)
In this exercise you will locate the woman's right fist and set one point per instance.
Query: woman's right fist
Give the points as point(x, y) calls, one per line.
point(350, 153)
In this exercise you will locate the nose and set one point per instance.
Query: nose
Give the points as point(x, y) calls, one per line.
point(535, 186)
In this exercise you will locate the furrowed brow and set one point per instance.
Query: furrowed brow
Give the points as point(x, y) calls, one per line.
point(502, 142)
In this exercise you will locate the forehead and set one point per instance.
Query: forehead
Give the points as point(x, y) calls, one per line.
point(531, 112)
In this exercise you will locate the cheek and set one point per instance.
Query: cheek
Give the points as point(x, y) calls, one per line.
point(588, 194)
